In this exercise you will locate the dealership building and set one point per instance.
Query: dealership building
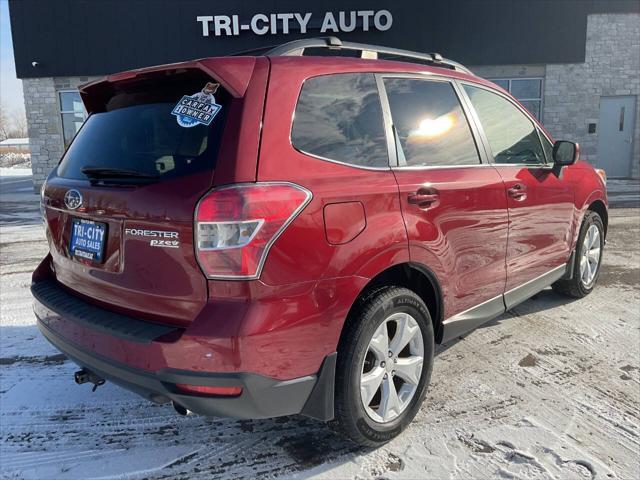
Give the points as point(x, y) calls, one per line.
point(574, 64)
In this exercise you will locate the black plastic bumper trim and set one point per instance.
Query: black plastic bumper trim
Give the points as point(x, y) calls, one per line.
point(262, 397)
point(53, 297)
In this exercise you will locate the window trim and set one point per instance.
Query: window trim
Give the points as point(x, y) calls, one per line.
point(485, 139)
point(510, 79)
point(330, 160)
point(427, 77)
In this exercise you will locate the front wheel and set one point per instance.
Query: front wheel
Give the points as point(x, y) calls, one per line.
point(586, 268)
point(384, 365)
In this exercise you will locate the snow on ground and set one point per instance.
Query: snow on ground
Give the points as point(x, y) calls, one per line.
point(16, 160)
point(15, 172)
point(549, 390)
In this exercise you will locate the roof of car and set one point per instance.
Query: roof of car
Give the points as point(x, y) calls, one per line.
point(336, 55)
point(362, 50)
point(323, 64)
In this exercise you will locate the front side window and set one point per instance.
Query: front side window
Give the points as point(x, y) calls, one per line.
point(73, 114)
point(430, 125)
point(512, 136)
point(548, 147)
point(339, 117)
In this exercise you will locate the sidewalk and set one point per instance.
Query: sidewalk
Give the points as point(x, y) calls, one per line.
point(623, 193)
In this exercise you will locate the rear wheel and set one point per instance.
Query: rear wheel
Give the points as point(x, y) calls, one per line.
point(586, 268)
point(384, 365)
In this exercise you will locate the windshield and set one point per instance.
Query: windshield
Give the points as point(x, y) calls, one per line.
point(140, 133)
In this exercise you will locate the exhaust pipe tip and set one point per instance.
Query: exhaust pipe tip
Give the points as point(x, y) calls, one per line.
point(181, 410)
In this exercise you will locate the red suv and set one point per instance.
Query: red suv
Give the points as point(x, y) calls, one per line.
point(291, 233)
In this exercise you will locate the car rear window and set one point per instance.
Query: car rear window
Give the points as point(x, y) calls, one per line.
point(339, 117)
point(137, 131)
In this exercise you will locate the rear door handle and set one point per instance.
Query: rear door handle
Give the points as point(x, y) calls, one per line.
point(423, 199)
point(517, 192)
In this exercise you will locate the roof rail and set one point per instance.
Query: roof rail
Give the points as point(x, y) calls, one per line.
point(297, 48)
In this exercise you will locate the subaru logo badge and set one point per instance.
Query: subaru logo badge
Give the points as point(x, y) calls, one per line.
point(72, 199)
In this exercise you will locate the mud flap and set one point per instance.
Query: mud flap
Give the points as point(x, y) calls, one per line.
point(320, 403)
point(571, 265)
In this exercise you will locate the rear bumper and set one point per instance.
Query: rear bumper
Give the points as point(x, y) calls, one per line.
point(79, 330)
point(261, 397)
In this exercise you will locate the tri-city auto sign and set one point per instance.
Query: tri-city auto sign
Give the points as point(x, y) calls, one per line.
point(271, 24)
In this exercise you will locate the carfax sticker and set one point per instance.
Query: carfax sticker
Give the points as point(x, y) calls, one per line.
point(199, 108)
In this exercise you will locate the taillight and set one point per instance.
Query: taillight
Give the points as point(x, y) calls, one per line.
point(235, 226)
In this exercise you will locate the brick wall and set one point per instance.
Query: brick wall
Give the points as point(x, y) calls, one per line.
point(45, 126)
point(45, 123)
point(611, 67)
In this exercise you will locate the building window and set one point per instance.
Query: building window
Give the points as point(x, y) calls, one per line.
point(528, 91)
point(73, 114)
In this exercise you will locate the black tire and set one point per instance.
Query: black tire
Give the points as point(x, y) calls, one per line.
point(351, 419)
point(574, 287)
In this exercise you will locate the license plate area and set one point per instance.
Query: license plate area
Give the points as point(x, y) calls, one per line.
point(88, 239)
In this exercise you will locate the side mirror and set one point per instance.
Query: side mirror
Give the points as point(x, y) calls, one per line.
point(564, 154)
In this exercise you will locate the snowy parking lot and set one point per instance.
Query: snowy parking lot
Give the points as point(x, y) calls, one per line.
point(549, 390)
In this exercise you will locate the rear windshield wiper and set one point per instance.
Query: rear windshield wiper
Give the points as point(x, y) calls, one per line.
point(105, 172)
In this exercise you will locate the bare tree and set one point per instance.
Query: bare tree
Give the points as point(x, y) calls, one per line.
point(19, 124)
point(12, 124)
point(4, 123)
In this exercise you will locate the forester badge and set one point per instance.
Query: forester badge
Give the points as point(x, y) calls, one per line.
point(199, 108)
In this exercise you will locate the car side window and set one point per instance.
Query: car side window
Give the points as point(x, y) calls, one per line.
point(430, 126)
point(512, 135)
point(339, 117)
point(548, 148)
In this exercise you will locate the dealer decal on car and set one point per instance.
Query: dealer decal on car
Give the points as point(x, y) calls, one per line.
point(199, 108)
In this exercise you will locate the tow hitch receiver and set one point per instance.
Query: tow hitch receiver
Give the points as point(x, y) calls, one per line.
point(86, 376)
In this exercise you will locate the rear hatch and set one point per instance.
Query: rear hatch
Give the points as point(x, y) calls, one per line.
point(119, 208)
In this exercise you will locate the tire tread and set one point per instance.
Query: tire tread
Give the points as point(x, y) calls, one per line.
point(572, 287)
point(368, 305)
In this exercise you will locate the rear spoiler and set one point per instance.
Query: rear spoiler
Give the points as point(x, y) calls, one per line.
point(233, 73)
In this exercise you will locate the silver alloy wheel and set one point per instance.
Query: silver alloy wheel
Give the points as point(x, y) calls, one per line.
point(392, 367)
point(590, 256)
